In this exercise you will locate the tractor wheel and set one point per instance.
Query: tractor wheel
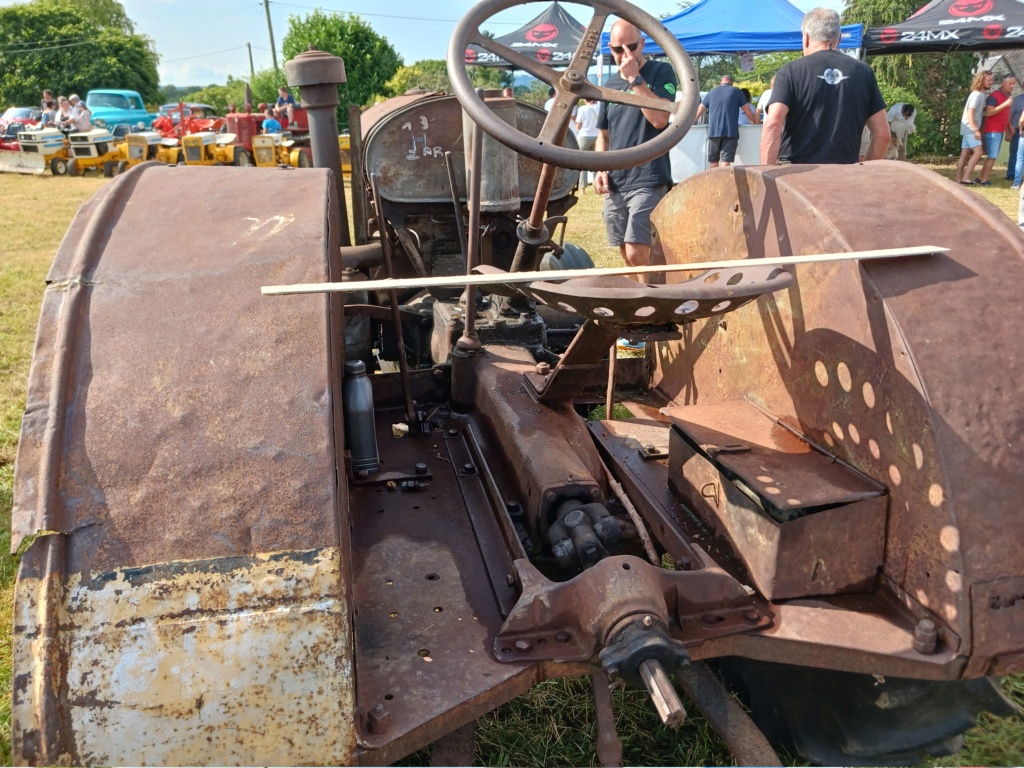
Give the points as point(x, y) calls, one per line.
point(845, 718)
point(305, 158)
point(110, 169)
point(73, 169)
point(59, 166)
point(122, 166)
point(242, 159)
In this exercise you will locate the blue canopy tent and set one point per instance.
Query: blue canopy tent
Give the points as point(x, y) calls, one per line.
point(739, 26)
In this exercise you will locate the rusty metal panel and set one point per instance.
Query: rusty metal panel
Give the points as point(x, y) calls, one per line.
point(234, 661)
point(832, 549)
point(178, 424)
point(893, 367)
point(173, 412)
point(405, 148)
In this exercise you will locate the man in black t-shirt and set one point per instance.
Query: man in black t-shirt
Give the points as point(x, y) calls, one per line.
point(821, 102)
point(634, 192)
point(723, 104)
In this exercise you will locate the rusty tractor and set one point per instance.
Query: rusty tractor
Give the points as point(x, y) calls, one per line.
point(248, 545)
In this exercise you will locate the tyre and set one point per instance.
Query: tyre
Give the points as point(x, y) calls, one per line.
point(122, 166)
point(73, 169)
point(242, 159)
point(845, 718)
point(59, 166)
point(110, 169)
point(305, 158)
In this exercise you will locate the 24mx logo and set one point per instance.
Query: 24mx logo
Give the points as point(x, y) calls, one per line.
point(1016, 31)
point(927, 36)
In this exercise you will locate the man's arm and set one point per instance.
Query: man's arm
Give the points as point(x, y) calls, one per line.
point(629, 68)
point(751, 115)
point(879, 127)
point(771, 134)
point(700, 113)
point(989, 111)
point(601, 177)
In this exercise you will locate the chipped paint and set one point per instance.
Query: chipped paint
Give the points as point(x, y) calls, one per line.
point(231, 661)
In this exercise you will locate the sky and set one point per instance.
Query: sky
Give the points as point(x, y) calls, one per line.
point(201, 42)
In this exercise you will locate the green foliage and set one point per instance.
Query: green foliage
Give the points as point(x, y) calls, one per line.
point(370, 60)
point(105, 14)
point(937, 84)
point(219, 96)
point(53, 44)
point(432, 75)
point(169, 93)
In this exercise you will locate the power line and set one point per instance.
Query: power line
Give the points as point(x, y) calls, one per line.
point(200, 55)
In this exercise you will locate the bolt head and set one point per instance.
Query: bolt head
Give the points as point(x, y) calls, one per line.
point(648, 622)
point(523, 645)
point(562, 636)
point(543, 369)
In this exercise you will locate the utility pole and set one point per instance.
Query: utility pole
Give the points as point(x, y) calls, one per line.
point(270, 28)
point(252, 69)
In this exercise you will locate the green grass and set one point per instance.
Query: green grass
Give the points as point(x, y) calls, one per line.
point(552, 724)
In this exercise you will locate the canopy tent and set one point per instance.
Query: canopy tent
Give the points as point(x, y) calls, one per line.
point(952, 25)
point(551, 38)
point(739, 26)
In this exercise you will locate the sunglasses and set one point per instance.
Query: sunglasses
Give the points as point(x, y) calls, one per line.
point(618, 49)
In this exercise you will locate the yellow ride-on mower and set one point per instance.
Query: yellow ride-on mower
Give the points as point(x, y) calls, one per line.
point(91, 149)
point(209, 148)
point(49, 145)
point(139, 147)
point(273, 149)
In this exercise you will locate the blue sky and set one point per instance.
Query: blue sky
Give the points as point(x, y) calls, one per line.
point(202, 42)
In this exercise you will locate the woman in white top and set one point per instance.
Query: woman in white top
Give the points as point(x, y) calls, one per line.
point(970, 126)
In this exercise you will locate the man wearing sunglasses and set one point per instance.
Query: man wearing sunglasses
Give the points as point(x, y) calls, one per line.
point(633, 193)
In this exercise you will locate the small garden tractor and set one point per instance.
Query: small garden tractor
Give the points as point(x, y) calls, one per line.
point(50, 145)
point(209, 148)
point(91, 150)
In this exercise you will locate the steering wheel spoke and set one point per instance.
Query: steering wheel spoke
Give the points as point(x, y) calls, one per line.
point(571, 85)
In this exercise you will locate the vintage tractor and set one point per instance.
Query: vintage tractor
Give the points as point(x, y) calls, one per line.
point(240, 548)
point(291, 148)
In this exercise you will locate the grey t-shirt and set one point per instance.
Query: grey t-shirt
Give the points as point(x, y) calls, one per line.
point(975, 103)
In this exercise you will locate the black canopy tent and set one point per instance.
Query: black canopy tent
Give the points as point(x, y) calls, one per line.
point(943, 26)
point(551, 38)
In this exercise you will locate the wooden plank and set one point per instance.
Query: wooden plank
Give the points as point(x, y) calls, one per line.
point(507, 278)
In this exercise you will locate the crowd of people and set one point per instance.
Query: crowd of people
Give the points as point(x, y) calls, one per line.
point(67, 113)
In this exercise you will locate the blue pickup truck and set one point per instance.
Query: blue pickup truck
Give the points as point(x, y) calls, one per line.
point(115, 106)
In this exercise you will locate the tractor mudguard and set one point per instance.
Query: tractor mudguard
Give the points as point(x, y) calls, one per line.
point(908, 369)
point(183, 595)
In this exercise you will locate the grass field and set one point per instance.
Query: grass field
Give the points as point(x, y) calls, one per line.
point(552, 725)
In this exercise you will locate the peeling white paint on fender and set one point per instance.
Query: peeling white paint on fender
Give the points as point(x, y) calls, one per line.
point(233, 661)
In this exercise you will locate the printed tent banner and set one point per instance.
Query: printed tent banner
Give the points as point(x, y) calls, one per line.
point(952, 25)
point(551, 38)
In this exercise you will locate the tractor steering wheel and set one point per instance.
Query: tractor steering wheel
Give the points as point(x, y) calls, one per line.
point(572, 85)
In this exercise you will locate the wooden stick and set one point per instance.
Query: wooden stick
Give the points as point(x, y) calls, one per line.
point(506, 278)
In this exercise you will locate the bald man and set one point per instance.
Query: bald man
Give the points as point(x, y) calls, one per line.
point(633, 193)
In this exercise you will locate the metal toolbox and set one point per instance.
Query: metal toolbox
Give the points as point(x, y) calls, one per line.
point(802, 522)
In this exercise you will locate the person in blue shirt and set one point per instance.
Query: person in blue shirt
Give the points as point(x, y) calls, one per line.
point(270, 123)
point(285, 104)
point(723, 105)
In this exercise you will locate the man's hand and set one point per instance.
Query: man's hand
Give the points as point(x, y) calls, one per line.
point(629, 67)
point(601, 182)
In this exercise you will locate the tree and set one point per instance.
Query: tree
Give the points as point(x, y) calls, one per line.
point(935, 83)
point(219, 96)
point(432, 75)
point(52, 44)
point(370, 61)
point(105, 14)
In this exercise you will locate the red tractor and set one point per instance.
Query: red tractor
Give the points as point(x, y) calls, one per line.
point(268, 150)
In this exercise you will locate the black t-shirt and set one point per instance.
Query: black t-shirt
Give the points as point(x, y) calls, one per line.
point(723, 103)
point(830, 97)
point(627, 127)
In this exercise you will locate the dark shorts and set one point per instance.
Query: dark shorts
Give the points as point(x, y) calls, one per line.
point(722, 149)
point(627, 215)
